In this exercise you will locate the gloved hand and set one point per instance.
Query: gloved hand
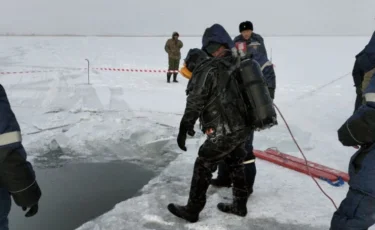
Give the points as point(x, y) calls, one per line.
point(234, 52)
point(345, 136)
point(28, 199)
point(32, 211)
point(181, 137)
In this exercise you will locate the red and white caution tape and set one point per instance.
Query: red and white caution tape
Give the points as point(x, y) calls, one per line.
point(133, 70)
point(137, 70)
point(26, 72)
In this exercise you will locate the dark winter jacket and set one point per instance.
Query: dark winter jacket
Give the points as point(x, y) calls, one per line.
point(173, 47)
point(16, 173)
point(362, 170)
point(265, 65)
point(366, 58)
point(357, 74)
point(253, 38)
point(217, 111)
point(359, 129)
point(364, 62)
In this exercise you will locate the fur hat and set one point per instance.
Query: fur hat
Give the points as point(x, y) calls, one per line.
point(247, 25)
point(175, 34)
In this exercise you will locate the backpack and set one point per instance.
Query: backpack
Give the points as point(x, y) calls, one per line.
point(242, 94)
point(256, 102)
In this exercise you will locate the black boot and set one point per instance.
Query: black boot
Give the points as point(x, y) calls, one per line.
point(238, 207)
point(186, 212)
point(175, 77)
point(197, 197)
point(169, 77)
point(240, 189)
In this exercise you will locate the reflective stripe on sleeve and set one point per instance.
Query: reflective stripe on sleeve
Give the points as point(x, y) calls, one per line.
point(249, 161)
point(370, 97)
point(10, 138)
point(266, 64)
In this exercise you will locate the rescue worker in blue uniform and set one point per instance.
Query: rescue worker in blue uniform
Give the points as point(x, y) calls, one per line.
point(223, 178)
point(17, 178)
point(357, 210)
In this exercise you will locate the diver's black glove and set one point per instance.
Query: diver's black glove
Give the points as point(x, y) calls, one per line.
point(32, 211)
point(181, 137)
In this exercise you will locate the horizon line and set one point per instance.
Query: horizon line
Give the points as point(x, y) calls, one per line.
point(189, 35)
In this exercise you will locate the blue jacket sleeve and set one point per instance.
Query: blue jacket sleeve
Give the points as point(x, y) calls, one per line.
point(262, 48)
point(357, 74)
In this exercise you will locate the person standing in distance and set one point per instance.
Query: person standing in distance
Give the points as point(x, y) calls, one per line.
point(357, 210)
point(173, 48)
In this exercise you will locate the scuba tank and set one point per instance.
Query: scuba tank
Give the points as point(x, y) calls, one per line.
point(254, 91)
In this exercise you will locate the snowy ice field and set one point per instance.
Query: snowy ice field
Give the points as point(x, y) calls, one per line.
point(135, 117)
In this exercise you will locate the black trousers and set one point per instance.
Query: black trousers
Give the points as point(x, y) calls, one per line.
point(250, 168)
point(209, 155)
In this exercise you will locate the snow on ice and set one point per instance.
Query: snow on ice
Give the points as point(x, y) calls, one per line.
point(120, 112)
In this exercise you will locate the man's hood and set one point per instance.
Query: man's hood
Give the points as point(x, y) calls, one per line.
point(175, 33)
point(216, 34)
